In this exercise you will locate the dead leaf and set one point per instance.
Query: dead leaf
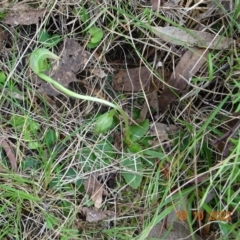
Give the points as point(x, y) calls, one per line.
point(96, 215)
point(2, 37)
point(72, 59)
point(222, 143)
point(156, 4)
point(151, 101)
point(9, 152)
point(172, 228)
point(188, 65)
point(177, 231)
point(130, 80)
point(23, 14)
point(95, 190)
point(161, 130)
point(189, 37)
point(98, 72)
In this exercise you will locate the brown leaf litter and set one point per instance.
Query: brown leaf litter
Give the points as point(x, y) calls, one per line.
point(188, 65)
point(138, 79)
point(173, 228)
point(161, 130)
point(22, 14)
point(95, 190)
point(4, 143)
point(135, 80)
point(222, 143)
point(96, 215)
point(2, 37)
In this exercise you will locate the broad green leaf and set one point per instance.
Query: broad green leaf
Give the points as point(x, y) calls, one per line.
point(138, 131)
point(92, 45)
point(51, 221)
point(43, 36)
point(96, 34)
point(33, 145)
point(17, 121)
point(30, 163)
point(84, 16)
point(135, 148)
point(66, 206)
point(82, 13)
point(20, 121)
point(27, 136)
point(132, 171)
point(2, 77)
point(105, 148)
point(155, 154)
point(47, 40)
point(50, 137)
point(33, 126)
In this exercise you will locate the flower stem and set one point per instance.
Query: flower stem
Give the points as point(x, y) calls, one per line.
point(70, 93)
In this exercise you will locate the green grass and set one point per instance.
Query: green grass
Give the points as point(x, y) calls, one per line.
point(57, 148)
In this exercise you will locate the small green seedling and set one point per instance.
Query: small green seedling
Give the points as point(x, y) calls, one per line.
point(96, 36)
point(28, 128)
point(48, 40)
point(82, 13)
point(38, 63)
point(2, 77)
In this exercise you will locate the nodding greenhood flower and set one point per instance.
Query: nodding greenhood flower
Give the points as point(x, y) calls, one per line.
point(38, 63)
point(38, 60)
point(104, 122)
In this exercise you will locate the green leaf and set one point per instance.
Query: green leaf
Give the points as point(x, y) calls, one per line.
point(92, 45)
point(154, 154)
point(134, 176)
point(87, 201)
point(43, 36)
point(21, 121)
point(2, 77)
point(47, 40)
point(138, 131)
point(104, 122)
point(105, 148)
point(96, 34)
point(33, 126)
point(17, 121)
point(84, 16)
point(51, 221)
point(33, 145)
point(31, 163)
point(50, 137)
point(55, 182)
point(135, 148)
point(66, 206)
